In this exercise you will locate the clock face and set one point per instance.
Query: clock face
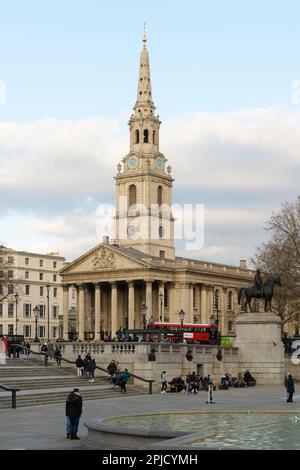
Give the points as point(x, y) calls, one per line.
point(133, 162)
point(159, 163)
point(131, 230)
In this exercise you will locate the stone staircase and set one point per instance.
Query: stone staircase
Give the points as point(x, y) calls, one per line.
point(40, 385)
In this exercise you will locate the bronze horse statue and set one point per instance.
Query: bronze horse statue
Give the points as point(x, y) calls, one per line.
point(266, 293)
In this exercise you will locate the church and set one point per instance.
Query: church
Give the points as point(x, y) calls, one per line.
point(137, 277)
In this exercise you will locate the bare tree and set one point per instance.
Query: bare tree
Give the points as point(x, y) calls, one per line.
point(9, 285)
point(281, 255)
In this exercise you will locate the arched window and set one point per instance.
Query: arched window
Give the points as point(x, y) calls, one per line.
point(229, 301)
point(137, 136)
point(132, 195)
point(159, 195)
point(153, 137)
point(146, 136)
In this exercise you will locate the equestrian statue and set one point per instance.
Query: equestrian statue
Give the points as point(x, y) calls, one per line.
point(260, 290)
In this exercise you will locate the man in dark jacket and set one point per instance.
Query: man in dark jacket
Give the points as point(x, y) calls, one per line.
point(74, 411)
point(290, 388)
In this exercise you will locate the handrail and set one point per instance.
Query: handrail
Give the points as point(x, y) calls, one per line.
point(13, 394)
point(149, 381)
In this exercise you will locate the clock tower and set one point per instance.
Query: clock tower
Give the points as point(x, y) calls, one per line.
point(143, 218)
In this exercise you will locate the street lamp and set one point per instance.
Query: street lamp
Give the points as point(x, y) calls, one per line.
point(161, 297)
point(48, 312)
point(181, 315)
point(144, 310)
point(36, 312)
point(17, 301)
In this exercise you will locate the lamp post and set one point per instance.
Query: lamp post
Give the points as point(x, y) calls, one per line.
point(217, 307)
point(17, 301)
point(48, 311)
point(36, 311)
point(181, 316)
point(161, 297)
point(144, 310)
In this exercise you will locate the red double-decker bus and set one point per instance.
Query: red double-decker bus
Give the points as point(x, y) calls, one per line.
point(188, 332)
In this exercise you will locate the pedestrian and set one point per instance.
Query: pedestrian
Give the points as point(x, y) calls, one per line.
point(290, 387)
point(74, 411)
point(92, 370)
point(164, 381)
point(51, 351)
point(57, 356)
point(123, 380)
point(79, 366)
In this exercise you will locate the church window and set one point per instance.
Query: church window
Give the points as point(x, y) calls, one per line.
point(153, 136)
point(159, 195)
point(146, 136)
point(132, 195)
point(137, 136)
point(161, 231)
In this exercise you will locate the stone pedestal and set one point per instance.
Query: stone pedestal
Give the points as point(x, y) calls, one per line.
point(260, 346)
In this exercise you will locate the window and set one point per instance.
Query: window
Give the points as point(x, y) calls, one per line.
point(54, 277)
point(41, 276)
point(55, 310)
point(146, 136)
point(297, 330)
point(41, 331)
point(194, 297)
point(41, 262)
point(10, 310)
point(166, 297)
point(137, 136)
point(54, 331)
point(26, 274)
point(54, 264)
point(159, 195)
point(1, 329)
point(132, 195)
point(10, 329)
point(153, 137)
point(162, 254)
point(10, 260)
point(27, 289)
point(1, 310)
point(161, 231)
point(10, 274)
point(55, 292)
point(10, 288)
point(27, 310)
point(1, 289)
point(42, 310)
point(41, 291)
point(27, 261)
point(73, 293)
point(230, 326)
point(27, 331)
point(229, 301)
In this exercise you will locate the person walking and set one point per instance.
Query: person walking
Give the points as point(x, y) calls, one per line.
point(58, 356)
point(164, 381)
point(123, 380)
point(93, 366)
point(290, 388)
point(74, 411)
point(79, 366)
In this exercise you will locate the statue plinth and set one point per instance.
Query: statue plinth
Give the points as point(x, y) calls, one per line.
point(258, 337)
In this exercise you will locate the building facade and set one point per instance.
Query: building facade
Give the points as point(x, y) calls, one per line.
point(139, 267)
point(29, 280)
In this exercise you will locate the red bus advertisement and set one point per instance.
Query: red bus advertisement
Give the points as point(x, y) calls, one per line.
point(187, 332)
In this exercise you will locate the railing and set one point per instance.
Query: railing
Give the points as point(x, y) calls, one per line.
point(149, 381)
point(13, 394)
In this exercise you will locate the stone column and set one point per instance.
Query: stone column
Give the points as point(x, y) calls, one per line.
point(223, 308)
point(161, 309)
point(149, 299)
point(97, 311)
point(131, 305)
point(66, 311)
point(191, 302)
point(81, 312)
point(203, 308)
point(114, 309)
point(210, 303)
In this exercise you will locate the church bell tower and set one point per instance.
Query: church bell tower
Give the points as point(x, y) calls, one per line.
point(144, 183)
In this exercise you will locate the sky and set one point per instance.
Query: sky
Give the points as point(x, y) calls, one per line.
point(226, 84)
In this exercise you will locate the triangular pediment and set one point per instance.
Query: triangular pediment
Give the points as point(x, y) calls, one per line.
point(104, 258)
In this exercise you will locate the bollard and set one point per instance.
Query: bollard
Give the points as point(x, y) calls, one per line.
point(14, 399)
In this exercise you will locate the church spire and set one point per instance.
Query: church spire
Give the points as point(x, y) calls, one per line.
point(144, 93)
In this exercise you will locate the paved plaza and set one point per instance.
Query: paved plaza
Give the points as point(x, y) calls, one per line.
point(43, 427)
